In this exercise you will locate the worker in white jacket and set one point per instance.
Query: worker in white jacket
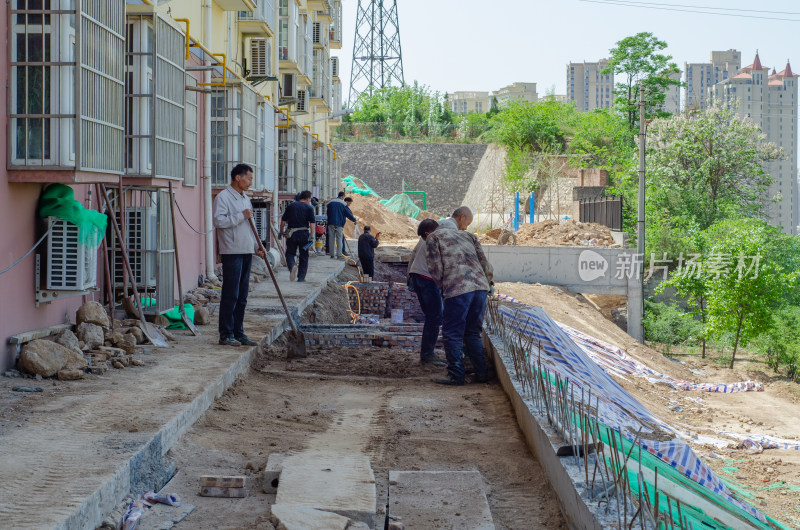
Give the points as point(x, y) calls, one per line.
point(236, 245)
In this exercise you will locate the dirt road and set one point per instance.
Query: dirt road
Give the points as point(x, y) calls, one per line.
point(415, 425)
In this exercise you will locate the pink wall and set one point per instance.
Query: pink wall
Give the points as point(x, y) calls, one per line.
point(18, 203)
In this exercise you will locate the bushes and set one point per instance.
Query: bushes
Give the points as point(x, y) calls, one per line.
point(669, 325)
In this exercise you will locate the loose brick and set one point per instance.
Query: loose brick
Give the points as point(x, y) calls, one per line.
point(217, 481)
point(234, 493)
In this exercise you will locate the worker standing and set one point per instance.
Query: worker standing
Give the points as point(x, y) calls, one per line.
point(428, 294)
point(348, 201)
point(459, 268)
point(366, 251)
point(236, 245)
point(299, 221)
point(338, 214)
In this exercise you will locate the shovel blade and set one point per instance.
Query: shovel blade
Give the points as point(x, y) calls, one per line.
point(296, 344)
point(189, 324)
point(153, 335)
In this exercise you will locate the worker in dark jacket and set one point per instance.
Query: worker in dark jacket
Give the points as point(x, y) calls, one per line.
point(338, 214)
point(366, 251)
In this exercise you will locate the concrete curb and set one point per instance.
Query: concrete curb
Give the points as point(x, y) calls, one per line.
point(543, 443)
point(149, 460)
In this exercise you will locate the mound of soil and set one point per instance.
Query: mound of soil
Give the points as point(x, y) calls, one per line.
point(392, 226)
point(555, 233)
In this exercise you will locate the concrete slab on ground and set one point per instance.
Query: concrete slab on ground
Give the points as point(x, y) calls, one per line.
point(341, 483)
point(427, 500)
point(301, 518)
point(86, 445)
point(163, 517)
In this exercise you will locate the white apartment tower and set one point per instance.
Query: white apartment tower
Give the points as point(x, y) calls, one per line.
point(464, 102)
point(700, 77)
point(588, 88)
point(770, 101)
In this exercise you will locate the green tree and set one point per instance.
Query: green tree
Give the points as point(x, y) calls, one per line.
point(637, 61)
point(747, 277)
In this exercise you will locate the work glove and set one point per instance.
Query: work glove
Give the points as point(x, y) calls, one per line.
point(491, 288)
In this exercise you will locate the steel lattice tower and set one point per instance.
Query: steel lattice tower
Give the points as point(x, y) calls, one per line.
point(377, 55)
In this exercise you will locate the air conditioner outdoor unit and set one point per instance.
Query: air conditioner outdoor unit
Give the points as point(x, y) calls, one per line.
point(261, 220)
point(141, 241)
point(302, 101)
point(288, 86)
point(335, 66)
point(70, 265)
point(260, 58)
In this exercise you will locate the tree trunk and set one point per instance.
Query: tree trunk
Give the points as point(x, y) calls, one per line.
point(736, 342)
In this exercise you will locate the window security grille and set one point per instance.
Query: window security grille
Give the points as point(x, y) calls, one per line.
point(317, 33)
point(70, 266)
point(335, 66)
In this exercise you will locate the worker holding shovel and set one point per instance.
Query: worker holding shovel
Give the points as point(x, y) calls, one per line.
point(236, 245)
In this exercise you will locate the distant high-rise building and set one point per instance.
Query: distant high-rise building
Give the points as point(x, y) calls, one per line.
point(517, 92)
point(700, 76)
point(672, 98)
point(588, 88)
point(463, 102)
point(770, 101)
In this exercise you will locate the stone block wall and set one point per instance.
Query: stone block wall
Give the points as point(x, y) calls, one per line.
point(406, 336)
point(444, 171)
point(379, 298)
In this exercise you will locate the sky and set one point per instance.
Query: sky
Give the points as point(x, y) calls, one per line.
point(453, 45)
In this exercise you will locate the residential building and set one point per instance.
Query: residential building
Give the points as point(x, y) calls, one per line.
point(516, 92)
point(465, 102)
point(769, 100)
point(699, 77)
point(588, 87)
point(166, 94)
point(672, 97)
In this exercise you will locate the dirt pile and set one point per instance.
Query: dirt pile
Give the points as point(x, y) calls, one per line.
point(555, 233)
point(392, 226)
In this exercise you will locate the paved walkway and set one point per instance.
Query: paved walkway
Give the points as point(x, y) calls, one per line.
point(81, 447)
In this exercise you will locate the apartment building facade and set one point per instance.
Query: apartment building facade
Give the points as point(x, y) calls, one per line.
point(516, 92)
point(588, 87)
point(700, 77)
point(464, 102)
point(123, 102)
point(769, 100)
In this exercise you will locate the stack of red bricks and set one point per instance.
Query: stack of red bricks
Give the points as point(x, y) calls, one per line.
point(407, 336)
point(373, 298)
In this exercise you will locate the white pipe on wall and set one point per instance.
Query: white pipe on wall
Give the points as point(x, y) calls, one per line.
point(209, 214)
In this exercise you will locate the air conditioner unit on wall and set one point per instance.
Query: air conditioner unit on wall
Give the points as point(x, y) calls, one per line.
point(141, 241)
point(302, 101)
point(70, 265)
point(260, 58)
point(261, 220)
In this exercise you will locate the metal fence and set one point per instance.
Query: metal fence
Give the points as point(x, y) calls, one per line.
point(606, 211)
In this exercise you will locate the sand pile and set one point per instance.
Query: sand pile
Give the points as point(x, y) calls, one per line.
point(553, 233)
point(392, 226)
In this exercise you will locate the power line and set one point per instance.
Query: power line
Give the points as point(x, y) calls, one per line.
point(690, 9)
point(709, 7)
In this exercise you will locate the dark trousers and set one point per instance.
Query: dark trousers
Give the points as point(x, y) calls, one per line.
point(235, 285)
point(461, 325)
point(294, 245)
point(368, 266)
point(430, 300)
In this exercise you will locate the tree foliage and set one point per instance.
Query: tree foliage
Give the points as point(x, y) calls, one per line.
point(409, 104)
point(636, 59)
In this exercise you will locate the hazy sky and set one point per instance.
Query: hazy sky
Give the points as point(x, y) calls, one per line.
point(483, 45)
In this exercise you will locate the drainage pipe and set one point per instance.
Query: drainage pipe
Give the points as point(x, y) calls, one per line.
point(208, 206)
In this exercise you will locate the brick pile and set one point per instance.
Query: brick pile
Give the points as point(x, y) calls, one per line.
point(406, 336)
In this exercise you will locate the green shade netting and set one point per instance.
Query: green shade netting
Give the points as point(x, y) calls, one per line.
point(402, 204)
point(351, 186)
point(174, 316)
point(58, 200)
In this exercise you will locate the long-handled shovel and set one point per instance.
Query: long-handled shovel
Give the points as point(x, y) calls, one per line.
point(181, 309)
point(151, 332)
point(276, 235)
point(297, 341)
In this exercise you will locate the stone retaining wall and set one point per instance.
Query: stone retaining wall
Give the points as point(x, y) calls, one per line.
point(444, 171)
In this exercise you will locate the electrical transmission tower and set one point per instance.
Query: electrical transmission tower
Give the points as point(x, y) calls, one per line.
point(377, 56)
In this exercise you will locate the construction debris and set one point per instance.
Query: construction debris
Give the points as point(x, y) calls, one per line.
point(555, 233)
